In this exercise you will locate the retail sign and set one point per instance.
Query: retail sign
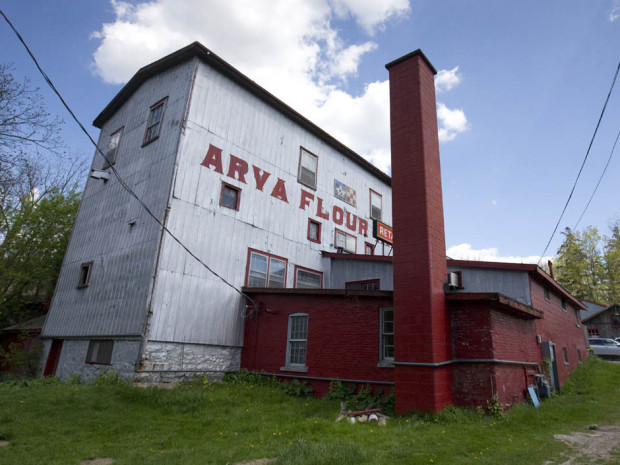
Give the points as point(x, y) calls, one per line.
point(383, 232)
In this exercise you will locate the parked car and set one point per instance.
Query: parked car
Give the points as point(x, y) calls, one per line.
point(605, 347)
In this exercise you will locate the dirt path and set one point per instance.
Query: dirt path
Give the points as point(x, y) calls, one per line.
point(590, 447)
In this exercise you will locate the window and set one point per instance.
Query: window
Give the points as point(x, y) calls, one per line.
point(308, 279)
point(314, 231)
point(113, 144)
point(565, 355)
point(85, 271)
point(153, 126)
point(345, 241)
point(594, 332)
point(615, 319)
point(579, 355)
point(230, 196)
point(369, 249)
point(100, 352)
point(308, 163)
point(577, 319)
point(564, 305)
point(376, 203)
point(387, 333)
point(368, 285)
point(547, 296)
point(297, 340)
point(266, 270)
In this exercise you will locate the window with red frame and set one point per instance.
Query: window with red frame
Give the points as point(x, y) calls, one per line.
point(345, 241)
point(265, 270)
point(369, 249)
point(376, 205)
point(594, 332)
point(367, 285)
point(230, 196)
point(314, 231)
point(615, 319)
point(306, 278)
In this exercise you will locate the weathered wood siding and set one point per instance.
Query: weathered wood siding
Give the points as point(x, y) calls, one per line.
point(511, 283)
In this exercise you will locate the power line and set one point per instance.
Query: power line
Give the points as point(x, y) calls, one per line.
point(582, 164)
point(120, 179)
point(599, 182)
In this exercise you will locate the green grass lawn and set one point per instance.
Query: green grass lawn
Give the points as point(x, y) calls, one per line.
point(48, 422)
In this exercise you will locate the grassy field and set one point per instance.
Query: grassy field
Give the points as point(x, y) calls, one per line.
point(48, 422)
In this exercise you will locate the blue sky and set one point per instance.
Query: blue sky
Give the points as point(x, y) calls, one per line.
point(520, 89)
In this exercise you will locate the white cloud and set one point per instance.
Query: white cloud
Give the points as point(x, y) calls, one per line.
point(451, 122)
point(447, 79)
point(615, 11)
point(287, 46)
point(371, 14)
point(466, 252)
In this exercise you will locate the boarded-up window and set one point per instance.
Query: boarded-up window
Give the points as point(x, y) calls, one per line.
point(100, 352)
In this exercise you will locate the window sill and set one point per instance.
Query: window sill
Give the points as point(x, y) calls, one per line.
point(298, 369)
point(385, 364)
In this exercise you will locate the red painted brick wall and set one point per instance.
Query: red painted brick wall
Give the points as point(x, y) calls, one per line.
point(343, 337)
point(420, 317)
point(560, 327)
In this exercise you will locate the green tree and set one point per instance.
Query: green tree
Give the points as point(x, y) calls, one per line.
point(31, 254)
point(38, 199)
point(579, 265)
point(612, 264)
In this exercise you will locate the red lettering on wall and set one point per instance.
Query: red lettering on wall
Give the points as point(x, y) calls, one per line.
point(319, 209)
point(279, 191)
point(260, 179)
point(305, 199)
point(239, 167)
point(363, 227)
point(351, 222)
point(213, 158)
point(338, 215)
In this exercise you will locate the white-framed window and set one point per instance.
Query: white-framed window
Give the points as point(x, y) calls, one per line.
point(113, 143)
point(308, 164)
point(85, 272)
point(230, 196)
point(565, 355)
point(153, 125)
point(387, 334)
point(376, 205)
point(297, 340)
point(346, 242)
point(547, 294)
point(100, 352)
point(265, 270)
point(308, 279)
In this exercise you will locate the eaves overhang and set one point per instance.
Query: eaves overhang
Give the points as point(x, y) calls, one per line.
point(197, 50)
point(496, 301)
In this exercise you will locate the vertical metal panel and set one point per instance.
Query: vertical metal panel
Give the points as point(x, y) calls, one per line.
point(123, 256)
point(191, 305)
point(511, 283)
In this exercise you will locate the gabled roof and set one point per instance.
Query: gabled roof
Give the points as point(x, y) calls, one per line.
point(535, 271)
point(585, 316)
point(197, 50)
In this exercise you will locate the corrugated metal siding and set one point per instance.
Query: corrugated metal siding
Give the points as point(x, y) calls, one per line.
point(191, 305)
point(124, 256)
point(511, 283)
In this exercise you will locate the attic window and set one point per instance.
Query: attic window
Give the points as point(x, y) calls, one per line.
point(85, 270)
point(153, 126)
point(308, 163)
point(547, 296)
point(376, 205)
point(113, 144)
point(564, 305)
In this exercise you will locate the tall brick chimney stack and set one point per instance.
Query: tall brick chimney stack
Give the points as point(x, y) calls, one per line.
point(421, 324)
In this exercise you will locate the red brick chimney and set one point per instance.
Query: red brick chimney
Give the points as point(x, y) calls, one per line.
point(423, 375)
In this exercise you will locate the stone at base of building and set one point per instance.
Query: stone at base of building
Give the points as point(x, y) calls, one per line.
point(172, 362)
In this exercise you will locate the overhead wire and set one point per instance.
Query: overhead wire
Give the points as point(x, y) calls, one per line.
point(122, 182)
point(598, 183)
point(582, 164)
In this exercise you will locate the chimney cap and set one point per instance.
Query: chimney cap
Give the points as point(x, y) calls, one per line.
point(415, 53)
